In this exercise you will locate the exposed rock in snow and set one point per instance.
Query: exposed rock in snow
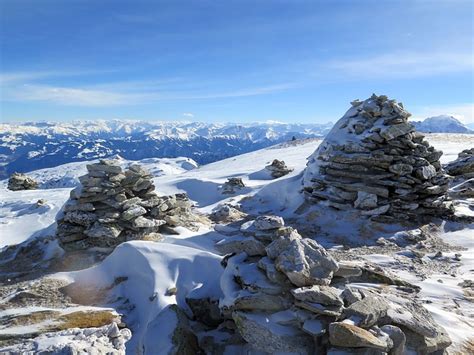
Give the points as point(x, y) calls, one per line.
point(463, 166)
point(108, 339)
point(271, 312)
point(374, 160)
point(19, 182)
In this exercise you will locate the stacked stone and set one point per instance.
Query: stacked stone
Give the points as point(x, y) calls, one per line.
point(232, 185)
point(113, 206)
point(374, 160)
point(19, 182)
point(285, 293)
point(278, 169)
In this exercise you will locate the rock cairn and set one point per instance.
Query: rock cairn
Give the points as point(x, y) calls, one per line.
point(463, 166)
point(285, 293)
point(232, 185)
point(113, 206)
point(20, 181)
point(278, 169)
point(374, 160)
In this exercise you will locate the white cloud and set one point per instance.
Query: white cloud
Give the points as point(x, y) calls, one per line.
point(404, 64)
point(188, 114)
point(66, 96)
point(463, 112)
point(33, 86)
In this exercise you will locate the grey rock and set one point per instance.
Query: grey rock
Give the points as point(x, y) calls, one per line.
point(368, 311)
point(143, 222)
point(270, 337)
point(401, 169)
point(333, 311)
point(303, 261)
point(99, 230)
point(264, 223)
point(376, 211)
point(351, 336)
point(426, 172)
point(398, 339)
point(133, 212)
point(325, 295)
point(249, 245)
point(365, 200)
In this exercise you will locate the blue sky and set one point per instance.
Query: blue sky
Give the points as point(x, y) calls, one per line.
point(233, 61)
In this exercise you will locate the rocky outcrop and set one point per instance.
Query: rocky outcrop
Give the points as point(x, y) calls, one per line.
point(113, 206)
point(19, 182)
point(374, 161)
point(289, 295)
point(108, 339)
point(463, 166)
point(278, 169)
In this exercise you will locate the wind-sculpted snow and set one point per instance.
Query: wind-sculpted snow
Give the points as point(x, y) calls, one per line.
point(35, 145)
point(151, 269)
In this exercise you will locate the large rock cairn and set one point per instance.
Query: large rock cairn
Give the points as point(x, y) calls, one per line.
point(113, 206)
point(285, 293)
point(374, 160)
point(18, 181)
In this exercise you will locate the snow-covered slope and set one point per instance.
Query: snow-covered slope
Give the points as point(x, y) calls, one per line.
point(442, 124)
point(189, 261)
point(33, 145)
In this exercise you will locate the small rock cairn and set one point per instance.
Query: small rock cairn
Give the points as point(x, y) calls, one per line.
point(286, 293)
point(113, 206)
point(374, 160)
point(232, 185)
point(20, 181)
point(278, 169)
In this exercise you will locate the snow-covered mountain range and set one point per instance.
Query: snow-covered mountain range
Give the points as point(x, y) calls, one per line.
point(35, 145)
point(442, 124)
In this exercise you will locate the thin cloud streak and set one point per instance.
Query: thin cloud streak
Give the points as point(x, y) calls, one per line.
point(404, 64)
point(14, 90)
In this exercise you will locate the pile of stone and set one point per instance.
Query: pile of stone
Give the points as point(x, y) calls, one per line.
point(20, 181)
point(463, 166)
point(232, 185)
point(227, 214)
point(373, 160)
point(285, 293)
point(278, 169)
point(113, 206)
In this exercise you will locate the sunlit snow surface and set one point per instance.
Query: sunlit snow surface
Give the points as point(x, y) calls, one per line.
point(189, 261)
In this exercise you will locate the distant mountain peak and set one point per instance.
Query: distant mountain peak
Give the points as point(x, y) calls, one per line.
point(442, 124)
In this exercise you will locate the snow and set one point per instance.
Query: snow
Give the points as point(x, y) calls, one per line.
point(188, 261)
point(152, 268)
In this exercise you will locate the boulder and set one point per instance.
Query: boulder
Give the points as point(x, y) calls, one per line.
point(268, 336)
point(351, 336)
